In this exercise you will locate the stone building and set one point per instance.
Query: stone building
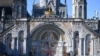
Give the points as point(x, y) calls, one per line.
point(49, 31)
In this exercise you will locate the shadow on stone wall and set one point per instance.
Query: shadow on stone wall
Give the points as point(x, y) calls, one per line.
point(2, 49)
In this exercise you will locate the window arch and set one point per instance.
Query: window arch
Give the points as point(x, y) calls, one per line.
point(80, 12)
point(60, 13)
point(21, 35)
point(87, 44)
point(76, 42)
point(9, 40)
point(45, 36)
point(21, 40)
point(63, 14)
point(23, 11)
point(18, 10)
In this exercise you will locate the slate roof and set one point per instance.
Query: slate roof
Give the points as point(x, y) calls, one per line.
point(61, 5)
point(37, 6)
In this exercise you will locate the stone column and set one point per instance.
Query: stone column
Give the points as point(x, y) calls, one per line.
point(15, 52)
point(12, 44)
point(92, 47)
point(73, 44)
point(60, 45)
point(24, 46)
point(84, 47)
point(17, 44)
point(81, 47)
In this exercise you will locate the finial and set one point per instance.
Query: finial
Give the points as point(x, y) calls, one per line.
point(66, 11)
point(96, 13)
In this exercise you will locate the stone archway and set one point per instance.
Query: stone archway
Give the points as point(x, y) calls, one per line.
point(47, 41)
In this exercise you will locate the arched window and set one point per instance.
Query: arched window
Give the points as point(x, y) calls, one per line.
point(60, 13)
point(46, 36)
point(9, 40)
point(87, 44)
point(76, 42)
point(80, 12)
point(15, 43)
point(21, 39)
point(63, 14)
point(18, 10)
point(23, 11)
point(21, 35)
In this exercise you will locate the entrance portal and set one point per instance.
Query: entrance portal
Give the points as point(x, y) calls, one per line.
point(47, 41)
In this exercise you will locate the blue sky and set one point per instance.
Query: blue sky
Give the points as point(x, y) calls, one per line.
point(92, 6)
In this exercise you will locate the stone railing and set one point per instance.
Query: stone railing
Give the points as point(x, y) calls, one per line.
point(45, 20)
point(55, 20)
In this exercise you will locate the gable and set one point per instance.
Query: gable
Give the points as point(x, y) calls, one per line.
point(50, 5)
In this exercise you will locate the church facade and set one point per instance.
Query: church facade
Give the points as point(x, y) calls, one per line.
point(49, 31)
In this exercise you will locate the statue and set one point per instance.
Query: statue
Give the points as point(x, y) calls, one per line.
point(96, 12)
point(49, 52)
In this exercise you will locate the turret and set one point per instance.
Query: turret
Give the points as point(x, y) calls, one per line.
point(79, 9)
point(19, 8)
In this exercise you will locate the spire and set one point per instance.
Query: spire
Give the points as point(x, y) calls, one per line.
point(19, 9)
point(66, 12)
point(79, 9)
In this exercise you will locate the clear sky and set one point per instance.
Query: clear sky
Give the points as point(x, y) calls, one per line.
point(92, 6)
